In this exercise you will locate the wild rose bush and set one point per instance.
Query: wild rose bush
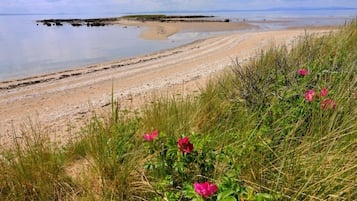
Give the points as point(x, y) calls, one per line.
point(292, 96)
point(295, 98)
point(184, 145)
point(185, 168)
point(151, 136)
point(205, 189)
point(178, 162)
point(303, 72)
point(300, 97)
point(309, 95)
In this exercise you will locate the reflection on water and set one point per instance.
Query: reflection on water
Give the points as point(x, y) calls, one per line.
point(27, 49)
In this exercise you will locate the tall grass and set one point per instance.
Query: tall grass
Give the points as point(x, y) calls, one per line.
point(303, 143)
point(33, 170)
point(254, 134)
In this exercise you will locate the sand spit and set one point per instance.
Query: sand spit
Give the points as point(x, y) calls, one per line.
point(157, 27)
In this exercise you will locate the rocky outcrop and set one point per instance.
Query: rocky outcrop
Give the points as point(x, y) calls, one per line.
point(79, 22)
point(96, 22)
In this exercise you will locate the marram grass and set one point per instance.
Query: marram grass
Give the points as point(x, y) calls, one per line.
point(282, 127)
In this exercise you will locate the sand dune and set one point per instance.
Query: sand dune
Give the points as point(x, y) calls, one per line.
point(60, 101)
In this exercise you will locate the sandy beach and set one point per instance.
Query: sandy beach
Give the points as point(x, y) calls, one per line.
point(61, 101)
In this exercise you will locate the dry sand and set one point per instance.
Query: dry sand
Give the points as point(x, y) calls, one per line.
point(61, 101)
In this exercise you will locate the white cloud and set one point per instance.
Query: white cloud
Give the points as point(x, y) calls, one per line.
point(119, 6)
point(140, 5)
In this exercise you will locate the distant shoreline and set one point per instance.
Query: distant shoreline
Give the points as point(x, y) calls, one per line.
point(157, 30)
point(158, 27)
point(142, 18)
point(154, 30)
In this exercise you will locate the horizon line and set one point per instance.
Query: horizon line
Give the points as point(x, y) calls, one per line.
point(196, 11)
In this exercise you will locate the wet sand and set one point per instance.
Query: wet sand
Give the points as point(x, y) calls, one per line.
point(60, 102)
point(162, 30)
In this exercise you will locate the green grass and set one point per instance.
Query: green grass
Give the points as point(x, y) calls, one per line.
point(254, 135)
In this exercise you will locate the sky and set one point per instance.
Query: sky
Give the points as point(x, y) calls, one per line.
point(124, 6)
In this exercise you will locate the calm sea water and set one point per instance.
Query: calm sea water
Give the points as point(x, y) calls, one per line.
point(27, 49)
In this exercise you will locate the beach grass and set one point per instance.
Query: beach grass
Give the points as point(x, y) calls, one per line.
point(282, 127)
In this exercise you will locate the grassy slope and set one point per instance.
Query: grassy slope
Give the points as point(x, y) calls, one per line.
point(254, 135)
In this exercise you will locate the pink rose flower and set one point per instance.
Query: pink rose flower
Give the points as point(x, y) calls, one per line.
point(205, 189)
point(303, 71)
point(151, 136)
point(323, 92)
point(328, 104)
point(309, 95)
point(184, 145)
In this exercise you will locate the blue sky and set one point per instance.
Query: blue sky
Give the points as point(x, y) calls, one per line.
point(121, 6)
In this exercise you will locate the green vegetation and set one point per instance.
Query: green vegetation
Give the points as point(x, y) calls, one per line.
point(145, 17)
point(284, 127)
point(167, 18)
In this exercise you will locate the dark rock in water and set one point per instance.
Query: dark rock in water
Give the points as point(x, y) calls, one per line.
point(76, 24)
point(97, 24)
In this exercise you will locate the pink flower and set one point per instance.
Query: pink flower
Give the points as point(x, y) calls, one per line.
point(328, 104)
point(151, 136)
point(303, 71)
point(205, 189)
point(309, 95)
point(323, 92)
point(184, 145)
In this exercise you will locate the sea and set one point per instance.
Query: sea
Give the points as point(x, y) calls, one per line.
point(28, 48)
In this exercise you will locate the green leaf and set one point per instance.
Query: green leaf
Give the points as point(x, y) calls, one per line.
point(189, 191)
point(230, 198)
point(225, 194)
point(263, 197)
